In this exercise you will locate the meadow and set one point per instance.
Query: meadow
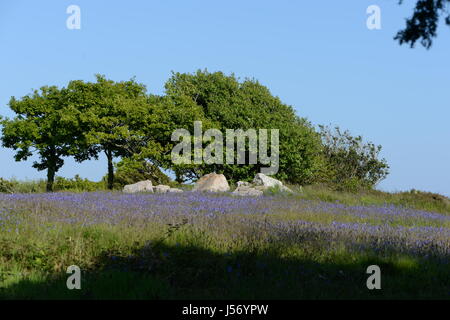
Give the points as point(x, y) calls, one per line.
point(314, 245)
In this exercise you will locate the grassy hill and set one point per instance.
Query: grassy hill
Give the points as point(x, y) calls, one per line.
point(314, 245)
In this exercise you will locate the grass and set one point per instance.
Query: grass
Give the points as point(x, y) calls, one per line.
point(189, 265)
point(411, 199)
point(179, 252)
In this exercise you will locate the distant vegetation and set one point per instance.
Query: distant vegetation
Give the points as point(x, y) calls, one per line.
point(75, 184)
point(120, 119)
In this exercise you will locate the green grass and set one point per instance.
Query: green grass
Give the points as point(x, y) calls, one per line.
point(120, 263)
point(191, 262)
point(419, 200)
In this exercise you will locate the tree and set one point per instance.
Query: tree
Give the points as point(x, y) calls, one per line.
point(43, 126)
point(109, 116)
point(424, 22)
point(232, 104)
point(351, 162)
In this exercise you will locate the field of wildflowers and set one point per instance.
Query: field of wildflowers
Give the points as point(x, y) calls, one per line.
point(204, 246)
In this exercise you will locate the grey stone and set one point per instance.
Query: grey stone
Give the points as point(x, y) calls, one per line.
point(262, 180)
point(141, 186)
point(247, 191)
point(243, 183)
point(161, 188)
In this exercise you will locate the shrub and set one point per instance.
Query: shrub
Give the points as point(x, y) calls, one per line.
point(77, 184)
point(28, 186)
point(6, 186)
point(351, 164)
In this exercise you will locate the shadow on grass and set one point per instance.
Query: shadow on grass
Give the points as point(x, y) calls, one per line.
point(159, 271)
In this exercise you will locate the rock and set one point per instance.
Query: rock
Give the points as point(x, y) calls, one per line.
point(161, 188)
point(260, 188)
point(212, 182)
point(174, 190)
point(243, 183)
point(262, 180)
point(247, 191)
point(141, 186)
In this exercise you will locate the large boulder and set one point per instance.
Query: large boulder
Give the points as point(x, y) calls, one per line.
point(212, 182)
point(141, 186)
point(161, 188)
point(243, 183)
point(263, 182)
point(247, 191)
point(174, 190)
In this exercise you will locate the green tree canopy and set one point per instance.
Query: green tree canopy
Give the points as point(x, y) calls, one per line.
point(109, 118)
point(119, 119)
point(232, 104)
point(42, 126)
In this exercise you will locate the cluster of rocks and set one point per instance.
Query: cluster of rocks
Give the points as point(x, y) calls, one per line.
point(147, 186)
point(214, 182)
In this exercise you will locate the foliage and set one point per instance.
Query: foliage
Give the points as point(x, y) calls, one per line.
point(28, 186)
point(130, 171)
point(42, 125)
point(6, 186)
point(424, 22)
point(165, 115)
point(352, 164)
point(119, 119)
point(107, 113)
point(232, 104)
point(77, 184)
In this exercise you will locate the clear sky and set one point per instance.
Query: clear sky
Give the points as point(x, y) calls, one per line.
point(317, 56)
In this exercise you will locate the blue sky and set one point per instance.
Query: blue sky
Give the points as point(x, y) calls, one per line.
point(317, 56)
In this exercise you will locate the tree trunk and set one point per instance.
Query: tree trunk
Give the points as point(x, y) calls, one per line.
point(50, 178)
point(179, 177)
point(110, 169)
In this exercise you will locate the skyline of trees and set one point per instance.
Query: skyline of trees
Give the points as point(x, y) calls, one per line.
point(121, 120)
